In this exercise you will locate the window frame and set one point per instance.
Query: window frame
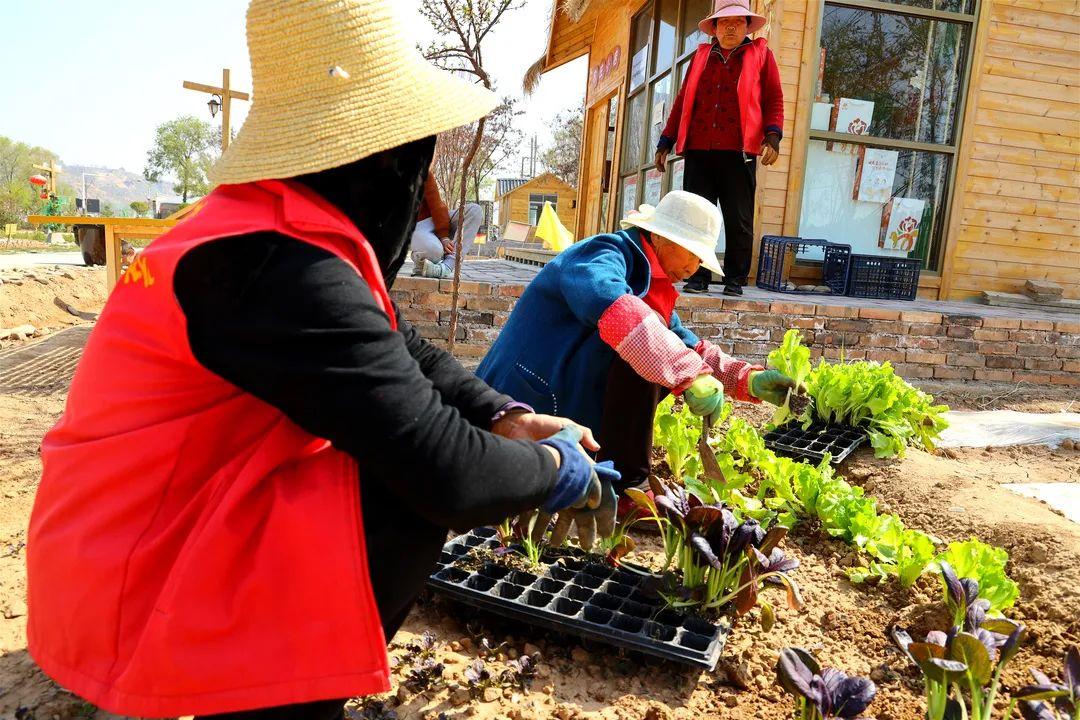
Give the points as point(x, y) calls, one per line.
point(951, 150)
point(539, 204)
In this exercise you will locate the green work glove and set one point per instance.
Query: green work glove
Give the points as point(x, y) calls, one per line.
point(772, 386)
point(705, 396)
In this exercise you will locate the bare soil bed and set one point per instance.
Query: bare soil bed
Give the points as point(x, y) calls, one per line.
point(952, 496)
point(28, 296)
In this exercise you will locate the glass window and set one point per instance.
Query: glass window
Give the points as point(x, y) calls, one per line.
point(879, 201)
point(654, 186)
point(905, 72)
point(694, 11)
point(667, 18)
point(658, 112)
point(628, 197)
point(536, 206)
point(958, 6)
point(640, 35)
point(676, 174)
point(634, 137)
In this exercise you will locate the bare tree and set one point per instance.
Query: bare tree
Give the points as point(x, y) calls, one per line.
point(462, 27)
point(501, 138)
point(563, 157)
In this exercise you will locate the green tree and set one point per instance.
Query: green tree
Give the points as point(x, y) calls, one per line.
point(139, 207)
point(184, 149)
point(17, 160)
point(563, 156)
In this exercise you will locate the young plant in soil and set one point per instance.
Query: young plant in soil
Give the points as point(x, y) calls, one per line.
point(372, 710)
point(520, 673)
point(425, 674)
point(962, 667)
point(1047, 700)
point(478, 678)
point(822, 693)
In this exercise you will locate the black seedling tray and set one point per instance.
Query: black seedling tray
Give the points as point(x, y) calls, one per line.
point(812, 444)
point(575, 596)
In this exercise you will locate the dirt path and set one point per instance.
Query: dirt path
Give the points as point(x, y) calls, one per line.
point(954, 497)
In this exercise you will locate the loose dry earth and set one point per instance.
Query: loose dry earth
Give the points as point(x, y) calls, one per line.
point(954, 496)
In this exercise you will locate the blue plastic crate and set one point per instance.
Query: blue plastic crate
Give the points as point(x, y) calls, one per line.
point(774, 249)
point(884, 278)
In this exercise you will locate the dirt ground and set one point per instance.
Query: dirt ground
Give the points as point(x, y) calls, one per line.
point(28, 296)
point(954, 495)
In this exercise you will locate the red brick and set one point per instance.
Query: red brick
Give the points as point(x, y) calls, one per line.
point(997, 348)
point(745, 305)
point(945, 372)
point(1033, 378)
point(472, 287)
point(1067, 326)
point(995, 335)
point(917, 343)
point(699, 302)
point(880, 341)
point(1061, 379)
point(748, 319)
point(499, 318)
point(960, 331)
point(476, 302)
point(1004, 362)
point(1043, 364)
point(1001, 323)
point(840, 311)
point(810, 323)
point(707, 332)
point(480, 335)
point(879, 314)
point(960, 346)
point(515, 290)
point(845, 353)
point(712, 317)
point(994, 375)
point(860, 326)
point(789, 308)
point(885, 356)
point(1071, 366)
point(913, 316)
point(750, 333)
point(1065, 351)
point(433, 300)
point(966, 360)
point(469, 350)
point(926, 330)
point(914, 371)
point(417, 283)
point(726, 346)
point(1034, 350)
point(742, 349)
point(1037, 324)
point(924, 358)
point(1028, 336)
point(963, 319)
point(419, 315)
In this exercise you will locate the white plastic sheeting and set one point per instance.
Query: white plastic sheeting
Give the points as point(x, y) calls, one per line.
point(1062, 496)
point(996, 428)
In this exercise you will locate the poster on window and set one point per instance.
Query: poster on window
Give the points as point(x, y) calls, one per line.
point(900, 223)
point(874, 175)
point(677, 175)
point(629, 195)
point(637, 67)
point(654, 184)
point(852, 117)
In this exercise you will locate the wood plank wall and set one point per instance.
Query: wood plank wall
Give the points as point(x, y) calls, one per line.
point(1017, 204)
point(517, 202)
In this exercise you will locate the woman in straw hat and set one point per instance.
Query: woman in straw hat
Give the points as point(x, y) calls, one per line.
point(729, 110)
point(200, 541)
point(595, 337)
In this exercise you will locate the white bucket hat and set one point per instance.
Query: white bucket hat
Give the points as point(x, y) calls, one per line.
point(686, 219)
point(335, 81)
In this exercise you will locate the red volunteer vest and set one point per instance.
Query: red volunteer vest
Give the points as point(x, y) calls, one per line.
point(749, 89)
point(191, 550)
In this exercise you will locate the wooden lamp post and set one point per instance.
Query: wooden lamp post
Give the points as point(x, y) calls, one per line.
point(221, 98)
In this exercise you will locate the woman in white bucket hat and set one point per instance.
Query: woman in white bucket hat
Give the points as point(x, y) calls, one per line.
point(239, 521)
point(595, 337)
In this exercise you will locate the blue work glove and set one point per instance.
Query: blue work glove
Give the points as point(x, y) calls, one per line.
point(705, 397)
point(772, 386)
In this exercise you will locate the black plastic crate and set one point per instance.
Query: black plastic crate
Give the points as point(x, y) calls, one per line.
point(773, 254)
point(575, 595)
point(812, 444)
point(884, 278)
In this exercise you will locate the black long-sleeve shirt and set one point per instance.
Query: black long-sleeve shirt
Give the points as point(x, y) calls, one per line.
point(297, 327)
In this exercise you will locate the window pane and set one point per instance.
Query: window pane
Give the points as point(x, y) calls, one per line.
point(640, 36)
point(661, 105)
point(908, 68)
point(654, 186)
point(628, 201)
point(634, 137)
point(960, 6)
point(668, 18)
point(862, 197)
point(677, 174)
point(692, 15)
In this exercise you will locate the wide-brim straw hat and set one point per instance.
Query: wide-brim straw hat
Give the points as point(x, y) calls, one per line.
point(686, 219)
point(732, 8)
point(335, 81)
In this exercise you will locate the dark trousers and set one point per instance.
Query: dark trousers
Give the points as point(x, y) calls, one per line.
point(626, 427)
point(724, 176)
point(322, 710)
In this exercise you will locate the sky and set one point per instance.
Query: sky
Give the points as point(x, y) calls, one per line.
point(91, 80)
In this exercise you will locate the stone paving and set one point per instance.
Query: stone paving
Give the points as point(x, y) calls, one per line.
point(505, 272)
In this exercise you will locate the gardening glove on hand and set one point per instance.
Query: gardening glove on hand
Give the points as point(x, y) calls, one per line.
point(647, 345)
point(591, 522)
point(705, 397)
point(733, 373)
point(772, 386)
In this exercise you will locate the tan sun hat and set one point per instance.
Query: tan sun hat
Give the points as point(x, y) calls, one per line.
point(334, 81)
point(685, 219)
point(732, 8)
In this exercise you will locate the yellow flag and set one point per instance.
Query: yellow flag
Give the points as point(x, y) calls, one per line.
point(551, 231)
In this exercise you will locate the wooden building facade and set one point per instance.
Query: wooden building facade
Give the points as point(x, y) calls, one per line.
point(961, 115)
point(521, 200)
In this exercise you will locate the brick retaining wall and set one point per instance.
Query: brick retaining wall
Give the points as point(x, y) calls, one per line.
point(919, 344)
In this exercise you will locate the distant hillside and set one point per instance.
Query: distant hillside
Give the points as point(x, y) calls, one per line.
point(115, 186)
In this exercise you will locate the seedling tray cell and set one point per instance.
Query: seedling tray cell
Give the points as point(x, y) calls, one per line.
point(812, 444)
point(573, 595)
